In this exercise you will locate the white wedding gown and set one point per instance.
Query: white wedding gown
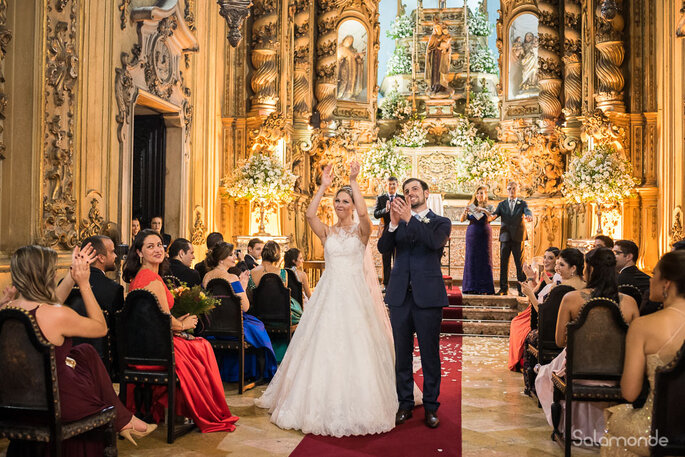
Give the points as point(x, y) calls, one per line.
point(338, 375)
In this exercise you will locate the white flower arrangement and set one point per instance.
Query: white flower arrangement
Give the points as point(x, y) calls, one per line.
point(260, 177)
point(483, 61)
point(412, 134)
point(601, 176)
point(482, 162)
point(383, 160)
point(395, 106)
point(482, 105)
point(478, 23)
point(401, 27)
point(464, 133)
point(399, 62)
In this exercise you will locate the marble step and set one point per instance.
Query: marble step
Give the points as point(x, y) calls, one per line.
point(475, 327)
point(486, 301)
point(479, 313)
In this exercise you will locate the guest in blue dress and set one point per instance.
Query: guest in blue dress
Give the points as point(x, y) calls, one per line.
point(261, 365)
point(477, 277)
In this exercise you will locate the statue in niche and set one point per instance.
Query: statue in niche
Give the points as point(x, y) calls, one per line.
point(529, 62)
point(350, 71)
point(438, 57)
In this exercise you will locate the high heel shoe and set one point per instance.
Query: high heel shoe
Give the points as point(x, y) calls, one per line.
point(129, 433)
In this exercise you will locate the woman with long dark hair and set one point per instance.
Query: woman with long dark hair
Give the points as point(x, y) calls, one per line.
point(202, 396)
point(602, 281)
point(477, 277)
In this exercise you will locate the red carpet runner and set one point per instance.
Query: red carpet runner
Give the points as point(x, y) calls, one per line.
point(413, 438)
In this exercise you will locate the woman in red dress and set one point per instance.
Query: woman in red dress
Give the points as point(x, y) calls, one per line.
point(202, 396)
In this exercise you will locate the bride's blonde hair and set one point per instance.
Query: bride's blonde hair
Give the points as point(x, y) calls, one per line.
point(347, 190)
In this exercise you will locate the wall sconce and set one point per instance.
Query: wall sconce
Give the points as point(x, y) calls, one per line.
point(235, 12)
point(680, 28)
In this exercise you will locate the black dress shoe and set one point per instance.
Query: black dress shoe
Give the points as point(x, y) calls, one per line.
point(432, 420)
point(402, 416)
point(502, 292)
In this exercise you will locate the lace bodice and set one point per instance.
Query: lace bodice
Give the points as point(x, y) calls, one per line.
point(344, 249)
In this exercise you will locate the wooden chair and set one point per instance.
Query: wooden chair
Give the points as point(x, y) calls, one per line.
point(173, 280)
point(29, 393)
point(102, 345)
point(632, 291)
point(271, 305)
point(225, 324)
point(295, 286)
point(668, 415)
point(595, 351)
point(145, 338)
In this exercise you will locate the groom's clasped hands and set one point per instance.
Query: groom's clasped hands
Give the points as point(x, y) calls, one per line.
point(399, 211)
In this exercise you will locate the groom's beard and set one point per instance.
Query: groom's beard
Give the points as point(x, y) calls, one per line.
point(418, 203)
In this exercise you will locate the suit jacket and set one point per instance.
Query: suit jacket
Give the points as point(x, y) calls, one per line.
point(184, 274)
point(380, 212)
point(632, 275)
point(201, 268)
point(513, 227)
point(166, 239)
point(250, 261)
point(108, 293)
point(418, 250)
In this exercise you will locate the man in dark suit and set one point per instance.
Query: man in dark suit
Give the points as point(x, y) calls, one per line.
point(156, 224)
point(212, 240)
point(254, 252)
point(512, 234)
point(627, 252)
point(382, 211)
point(416, 295)
point(182, 254)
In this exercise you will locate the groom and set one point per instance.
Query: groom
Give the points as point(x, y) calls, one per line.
point(416, 294)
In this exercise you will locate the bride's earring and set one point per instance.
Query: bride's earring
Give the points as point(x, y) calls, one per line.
point(665, 292)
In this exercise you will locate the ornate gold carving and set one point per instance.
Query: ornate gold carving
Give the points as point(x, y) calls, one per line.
point(189, 14)
point(123, 92)
point(599, 126)
point(264, 48)
point(124, 8)
point(523, 109)
point(235, 12)
point(551, 222)
point(437, 169)
point(326, 52)
point(92, 225)
point(159, 72)
point(197, 236)
point(265, 139)
point(302, 103)
point(549, 64)
point(676, 231)
point(572, 60)
point(611, 51)
point(5, 38)
point(352, 113)
point(59, 204)
point(539, 165)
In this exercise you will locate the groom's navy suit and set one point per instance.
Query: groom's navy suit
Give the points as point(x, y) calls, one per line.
point(416, 295)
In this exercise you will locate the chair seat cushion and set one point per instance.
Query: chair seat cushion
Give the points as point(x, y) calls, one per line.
point(41, 433)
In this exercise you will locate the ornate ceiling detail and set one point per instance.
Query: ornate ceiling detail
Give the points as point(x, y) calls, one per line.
point(58, 227)
point(235, 12)
point(5, 38)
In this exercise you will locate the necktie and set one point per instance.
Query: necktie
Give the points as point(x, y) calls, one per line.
point(511, 205)
point(391, 198)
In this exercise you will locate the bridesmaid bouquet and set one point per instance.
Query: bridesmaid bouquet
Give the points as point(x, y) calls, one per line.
point(191, 300)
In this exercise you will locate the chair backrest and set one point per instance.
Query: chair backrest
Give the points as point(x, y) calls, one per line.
point(27, 359)
point(632, 291)
point(227, 318)
point(295, 286)
point(271, 300)
point(173, 280)
point(144, 335)
point(596, 341)
point(75, 302)
point(547, 316)
point(668, 415)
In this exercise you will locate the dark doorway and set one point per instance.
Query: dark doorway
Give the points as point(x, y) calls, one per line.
point(149, 167)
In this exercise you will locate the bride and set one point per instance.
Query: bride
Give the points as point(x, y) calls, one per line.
point(338, 377)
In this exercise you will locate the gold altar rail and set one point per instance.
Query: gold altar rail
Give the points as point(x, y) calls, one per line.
point(314, 270)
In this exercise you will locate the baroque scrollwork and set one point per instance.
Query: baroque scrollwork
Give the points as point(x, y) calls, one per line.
point(93, 224)
point(539, 163)
point(5, 38)
point(197, 236)
point(676, 231)
point(124, 6)
point(598, 126)
point(235, 12)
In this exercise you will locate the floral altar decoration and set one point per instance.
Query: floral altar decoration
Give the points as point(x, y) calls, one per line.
point(383, 160)
point(401, 27)
point(482, 163)
point(399, 62)
point(483, 61)
point(482, 105)
point(601, 176)
point(464, 133)
point(478, 22)
point(395, 106)
point(264, 181)
point(412, 134)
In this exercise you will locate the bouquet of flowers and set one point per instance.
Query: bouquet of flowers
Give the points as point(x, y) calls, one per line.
point(464, 133)
point(482, 105)
point(483, 61)
point(478, 23)
point(395, 106)
point(383, 160)
point(601, 175)
point(401, 27)
point(483, 163)
point(261, 176)
point(399, 62)
point(412, 134)
point(191, 300)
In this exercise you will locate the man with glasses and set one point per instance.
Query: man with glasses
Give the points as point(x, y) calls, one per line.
point(627, 252)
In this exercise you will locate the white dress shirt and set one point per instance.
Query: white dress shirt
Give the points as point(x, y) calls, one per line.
point(421, 215)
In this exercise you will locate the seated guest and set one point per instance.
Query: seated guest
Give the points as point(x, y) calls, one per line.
point(521, 324)
point(84, 385)
point(293, 260)
point(600, 275)
point(603, 241)
point(626, 253)
point(271, 257)
point(156, 224)
point(201, 396)
point(212, 239)
point(220, 259)
point(181, 255)
point(135, 227)
point(652, 342)
point(678, 245)
point(254, 253)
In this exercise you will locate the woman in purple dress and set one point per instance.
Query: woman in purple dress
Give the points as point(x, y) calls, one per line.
point(478, 257)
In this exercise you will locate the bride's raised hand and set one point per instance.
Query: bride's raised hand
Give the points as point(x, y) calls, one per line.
point(354, 170)
point(326, 177)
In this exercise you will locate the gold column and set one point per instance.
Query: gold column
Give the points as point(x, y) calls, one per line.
point(611, 49)
point(549, 69)
point(264, 59)
point(326, 63)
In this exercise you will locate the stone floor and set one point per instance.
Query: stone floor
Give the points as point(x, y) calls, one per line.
point(498, 420)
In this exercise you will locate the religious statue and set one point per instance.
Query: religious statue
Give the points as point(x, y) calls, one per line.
point(350, 71)
point(438, 57)
point(529, 62)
